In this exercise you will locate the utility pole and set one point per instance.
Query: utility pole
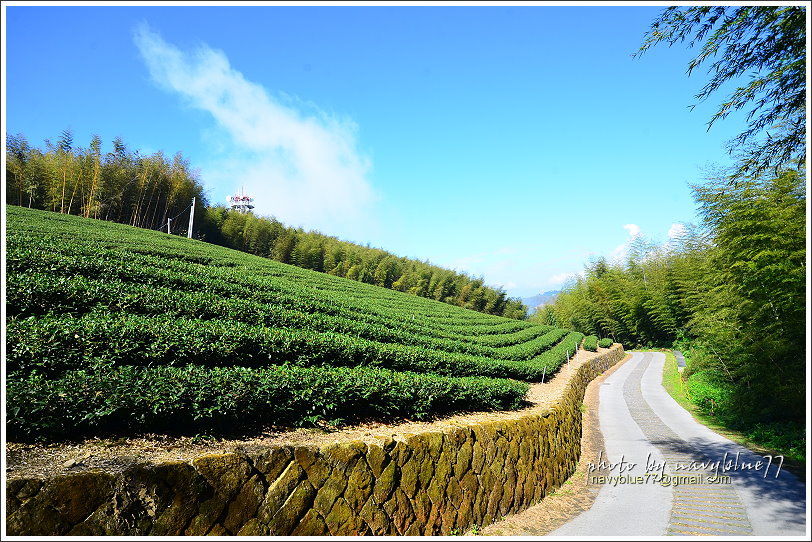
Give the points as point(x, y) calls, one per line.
point(191, 219)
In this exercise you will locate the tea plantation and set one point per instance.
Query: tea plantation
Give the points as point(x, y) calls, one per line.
point(118, 330)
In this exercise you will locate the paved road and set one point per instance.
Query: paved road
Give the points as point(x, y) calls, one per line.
point(642, 424)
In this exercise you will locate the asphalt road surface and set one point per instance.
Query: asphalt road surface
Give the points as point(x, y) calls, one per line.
point(662, 473)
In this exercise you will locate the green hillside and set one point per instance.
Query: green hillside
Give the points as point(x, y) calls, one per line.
point(115, 329)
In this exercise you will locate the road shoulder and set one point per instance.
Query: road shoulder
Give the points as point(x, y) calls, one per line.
point(576, 495)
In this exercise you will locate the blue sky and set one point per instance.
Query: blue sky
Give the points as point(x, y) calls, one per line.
point(509, 142)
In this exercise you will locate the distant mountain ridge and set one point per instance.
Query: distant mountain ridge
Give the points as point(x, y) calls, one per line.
point(540, 300)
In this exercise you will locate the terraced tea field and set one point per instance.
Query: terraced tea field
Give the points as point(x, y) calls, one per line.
point(114, 329)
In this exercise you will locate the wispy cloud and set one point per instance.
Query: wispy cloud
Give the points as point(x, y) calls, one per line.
point(521, 272)
point(676, 231)
point(620, 252)
point(633, 229)
point(560, 278)
point(301, 163)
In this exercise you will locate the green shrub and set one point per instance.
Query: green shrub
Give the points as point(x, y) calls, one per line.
point(591, 343)
point(606, 342)
point(709, 391)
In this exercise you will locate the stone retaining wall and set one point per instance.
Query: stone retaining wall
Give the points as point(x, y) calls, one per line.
point(432, 483)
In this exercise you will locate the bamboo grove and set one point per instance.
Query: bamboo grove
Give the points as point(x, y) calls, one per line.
point(130, 188)
point(121, 186)
point(731, 292)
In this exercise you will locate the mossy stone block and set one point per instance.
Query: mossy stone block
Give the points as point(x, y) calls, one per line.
point(444, 466)
point(485, 433)
point(453, 492)
point(401, 452)
point(376, 519)
point(273, 462)
point(434, 524)
point(421, 505)
point(253, 528)
point(359, 485)
point(218, 530)
point(487, 481)
point(529, 487)
point(343, 455)
point(415, 529)
point(497, 469)
point(207, 514)
point(456, 435)
point(436, 492)
point(403, 516)
point(354, 525)
point(449, 519)
point(386, 483)
point(501, 429)
point(179, 504)
point(434, 443)
point(23, 489)
point(409, 477)
point(386, 442)
point(418, 447)
point(469, 484)
point(376, 458)
point(287, 517)
point(245, 504)
point(494, 498)
point(526, 450)
point(330, 491)
point(462, 461)
point(305, 456)
point(507, 500)
point(75, 496)
point(465, 513)
point(311, 524)
point(279, 491)
point(226, 473)
point(317, 471)
point(36, 518)
point(477, 457)
point(511, 474)
point(513, 451)
point(426, 472)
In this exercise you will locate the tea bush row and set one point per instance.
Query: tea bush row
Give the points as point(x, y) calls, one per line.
point(91, 261)
point(39, 294)
point(142, 331)
point(190, 278)
point(57, 343)
point(193, 399)
point(590, 343)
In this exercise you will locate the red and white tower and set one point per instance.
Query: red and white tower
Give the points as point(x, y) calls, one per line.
point(240, 202)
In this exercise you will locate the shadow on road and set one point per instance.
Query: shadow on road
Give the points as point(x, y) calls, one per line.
point(782, 492)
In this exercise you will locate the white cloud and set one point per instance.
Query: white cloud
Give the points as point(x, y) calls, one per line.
point(620, 253)
point(301, 164)
point(676, 234)
point(676, 231)
point(560, 278)
point(633, 229)
point(521, 273)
